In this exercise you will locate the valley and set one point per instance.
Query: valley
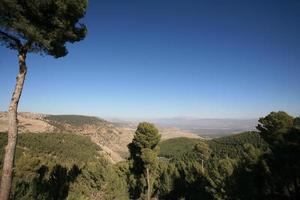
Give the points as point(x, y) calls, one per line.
point(112, 137)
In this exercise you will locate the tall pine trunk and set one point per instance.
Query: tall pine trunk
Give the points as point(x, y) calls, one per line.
point(8, 164)
point(148, 184)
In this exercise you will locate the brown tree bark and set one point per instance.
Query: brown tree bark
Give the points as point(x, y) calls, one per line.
point(148, 184)
point(8, 164)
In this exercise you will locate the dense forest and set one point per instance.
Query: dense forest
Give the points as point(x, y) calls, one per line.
point(249, 165)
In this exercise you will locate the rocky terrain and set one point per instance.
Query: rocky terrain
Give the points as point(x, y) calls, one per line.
point(113, 138)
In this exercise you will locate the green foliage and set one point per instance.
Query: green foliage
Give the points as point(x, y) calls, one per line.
point(233, 146)
point(281, 166)
point(226, 167)
point(202, 149)
point(100, 180)
point(296, 122)
point(145, 140)
point(74, 120)
point(230, 146)
point(177, 147)
point(273, 125)
point(222, 161)
point(242, 166)
point(65, 147)
point(143, 156)
point(56, 147)
point(274, 122)
point(41, 26)
point(63, 166)
point(146, 136)
point(47, 185)
point(149, 157)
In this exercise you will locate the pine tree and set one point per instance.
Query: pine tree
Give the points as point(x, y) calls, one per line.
point(143, 152)
point(34, 26)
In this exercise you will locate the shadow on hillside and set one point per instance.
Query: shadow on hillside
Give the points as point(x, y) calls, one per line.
point(56, 186)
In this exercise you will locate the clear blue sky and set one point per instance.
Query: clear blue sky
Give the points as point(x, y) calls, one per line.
point(153, 58)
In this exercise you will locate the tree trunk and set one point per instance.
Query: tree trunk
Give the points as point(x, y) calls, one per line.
point(8, 164)
point(148, 184)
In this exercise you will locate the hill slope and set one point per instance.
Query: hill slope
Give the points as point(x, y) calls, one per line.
point(61, 166)
point(113, 138)
point(231, 146)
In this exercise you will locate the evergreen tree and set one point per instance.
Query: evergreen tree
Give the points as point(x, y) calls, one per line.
point(203, 150)
point(143, 154)
point(273, 125)
point(40, 27)
point(280, 167)
point(296, 123)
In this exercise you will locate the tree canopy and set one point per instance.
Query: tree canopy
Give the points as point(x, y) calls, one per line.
point(41, 26)
point(143, 156)
point(203, 150)
point(273, 125)
point(146, 136)
point(274, 121)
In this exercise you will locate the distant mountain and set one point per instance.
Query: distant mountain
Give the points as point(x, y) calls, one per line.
point(209, 127)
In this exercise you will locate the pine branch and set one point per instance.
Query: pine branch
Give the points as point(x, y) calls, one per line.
point(16, 42)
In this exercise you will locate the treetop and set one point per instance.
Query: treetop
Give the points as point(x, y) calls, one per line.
point(41, 26)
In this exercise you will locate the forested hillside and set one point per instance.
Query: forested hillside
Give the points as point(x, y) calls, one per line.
point(62, 166)
point(112, 137)
point(230, 146)
point(249, 165)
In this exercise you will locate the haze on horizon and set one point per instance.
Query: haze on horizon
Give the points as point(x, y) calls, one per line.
point(153, 59)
